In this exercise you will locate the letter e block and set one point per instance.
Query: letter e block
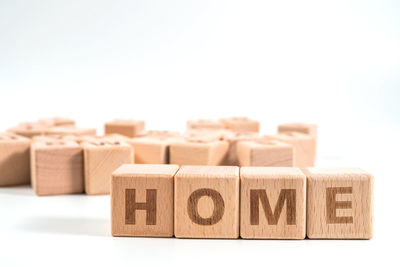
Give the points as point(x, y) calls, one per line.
point(272, 203)
point(142, 198)
point(339, 203)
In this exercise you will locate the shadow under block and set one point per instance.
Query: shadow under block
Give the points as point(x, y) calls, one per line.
point(272, 203)
point(207, 202)
point(56, 167)
point(205, 124)
point(233, 138)
point(265, 153)
point(101, 158)
point(339, 203)
point(129, 128)
point(142, 198)
point(14, 159)
point(241, 124)
point(304, 147)
point(305, 128)
point(187, 152)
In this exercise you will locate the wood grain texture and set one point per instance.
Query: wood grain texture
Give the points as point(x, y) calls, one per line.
point(14, 159)
point(306, 128)
point(142, 200)
point(304, 147)
point(233, 138)
point(265, 153)
point(207, 202)
point(101, 158)
point(129, 128)
point(272, 203)
point(56, 167)
point(339, 203)
point(241, 124)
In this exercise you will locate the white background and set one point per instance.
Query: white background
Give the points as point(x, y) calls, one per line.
point(336, 63)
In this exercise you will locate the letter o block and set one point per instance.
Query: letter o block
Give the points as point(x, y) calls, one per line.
point(339, 203)
point(142, 200)
point(207, 202)
point(272, 203)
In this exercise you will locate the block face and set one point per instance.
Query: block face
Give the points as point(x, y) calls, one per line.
point(14, 159)
point(101, 158)
point(339, 203)
point(205, 124)
point(233, 138)
point(241, 124)
point(207, 202)
point(129, 128)
point(29, 129)
point(151, 150)
point(305, 128)
point(271, 153)
point(142, 200)
point(56, 167)
point(272, 203)
point(70, 130)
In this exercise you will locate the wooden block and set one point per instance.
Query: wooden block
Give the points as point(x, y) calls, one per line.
point(142, 198)
point(207, 202)
point(162, 134)
point(129, 128)
point(241, 124)
point(305, 128)
point(57, 121)
point(70, 130)
point(272, 203)
point(205, 124)
point(265, 153)
point(151, 150)
point(197, 152)
point(29, 129)
point(14, 159)
point(101, 158)
point(304, 147)
point(233, 138)
point(339, 203)
point(56, 167)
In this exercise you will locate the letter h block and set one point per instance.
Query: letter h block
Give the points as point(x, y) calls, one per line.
point(339, 203)
point(273, 203)
point(142, 198)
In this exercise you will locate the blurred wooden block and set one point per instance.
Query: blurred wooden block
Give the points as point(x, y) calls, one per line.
point(14, 159)
point(29, 129)
point(207, 202)
point(272, 203)
point(101, 158)
point(265, 153)
point(70, 130)
point(339, 203)
point(151, 150)
point(205, 124)
point(233, 138)
point(57, 121)
point(241, 124)
point(142, 198)
point(298, 127)
point(197, 152)
point(162, 134)
point(56, 167)
point(129, 128)
point(304, 147)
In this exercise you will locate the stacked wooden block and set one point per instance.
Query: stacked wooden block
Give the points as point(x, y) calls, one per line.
point(250, 202)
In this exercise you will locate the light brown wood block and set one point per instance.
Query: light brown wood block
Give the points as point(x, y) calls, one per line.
point(197, 152)
point(70, 130)
point(56, 167)
point(142, 197)
point(101, 158)
point(29, 129)
point(339, 203)
point(271, 153)
point(304, 147)
point(233, 138)
point(272, 203)
point(164, 134)
point(14, 159)
point(129, 128)
point(241, 124)
point(207, 202)
point(205, 124)
point(57, 121)
point(305, 128)
point(151, 150)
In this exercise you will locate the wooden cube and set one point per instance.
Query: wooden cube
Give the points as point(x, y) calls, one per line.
point(304, 147)
point(339, 203)
point(265, 153)
point(207, 202)
point(29, 129)
point(14, 159)
point(142, 198)
point(162, 134)
point(129, 128)
point(233, 138)
point(151, 150)
point(205, 124)
point(241, 124)
point(272, 203)
point(56, 167)
point(197, 152)
point(305, 128)
point(57, 121)
point(70, 130)
point(101, 158)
